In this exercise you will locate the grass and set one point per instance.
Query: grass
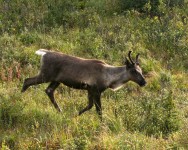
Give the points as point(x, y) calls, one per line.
point(131, 121)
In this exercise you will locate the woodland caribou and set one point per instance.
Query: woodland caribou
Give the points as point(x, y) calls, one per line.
point(92, 75)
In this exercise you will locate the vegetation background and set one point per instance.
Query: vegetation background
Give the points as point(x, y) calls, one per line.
point(153, 117)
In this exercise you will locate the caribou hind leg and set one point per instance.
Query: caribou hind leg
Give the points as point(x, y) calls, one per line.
point(50, 92)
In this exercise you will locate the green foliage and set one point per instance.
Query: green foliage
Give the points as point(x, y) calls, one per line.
point(151, 114)
point(29, 38)
point(160, 116)
point(44, 15)
point(172, 3)
point(10, 111)
point(136, 4)
point(4, 146)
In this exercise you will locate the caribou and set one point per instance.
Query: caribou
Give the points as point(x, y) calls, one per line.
point(92, 75)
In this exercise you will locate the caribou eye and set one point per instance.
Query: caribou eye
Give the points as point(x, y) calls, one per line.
point(134, 71)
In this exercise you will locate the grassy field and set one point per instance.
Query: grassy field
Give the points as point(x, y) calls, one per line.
point(134, 118)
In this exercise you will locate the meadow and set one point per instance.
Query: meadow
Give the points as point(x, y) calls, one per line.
point(134, 118)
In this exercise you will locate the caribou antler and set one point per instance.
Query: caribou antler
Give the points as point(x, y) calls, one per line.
point(129, 54)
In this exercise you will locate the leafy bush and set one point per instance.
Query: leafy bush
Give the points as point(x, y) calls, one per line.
point(29, 38)
point(11, 110)
point(33, 14)
point(153, 115)
point(160, 115)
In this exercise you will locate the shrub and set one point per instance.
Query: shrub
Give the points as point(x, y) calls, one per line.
point(11, 110)
point(154, 115)
point(160, 115)
point(29, 38)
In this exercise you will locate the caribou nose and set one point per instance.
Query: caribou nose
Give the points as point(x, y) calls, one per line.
point(143, 83)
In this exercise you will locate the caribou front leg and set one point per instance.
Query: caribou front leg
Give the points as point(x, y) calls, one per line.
point(90, 103)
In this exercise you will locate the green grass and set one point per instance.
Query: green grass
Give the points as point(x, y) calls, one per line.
point(130, 120)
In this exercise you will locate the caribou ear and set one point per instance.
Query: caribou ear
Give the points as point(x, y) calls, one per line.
point(137, 62)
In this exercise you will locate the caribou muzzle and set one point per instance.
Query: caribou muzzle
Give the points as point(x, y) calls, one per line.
point(142, 83)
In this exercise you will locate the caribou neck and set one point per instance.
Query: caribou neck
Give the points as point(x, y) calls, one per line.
point(117, 77)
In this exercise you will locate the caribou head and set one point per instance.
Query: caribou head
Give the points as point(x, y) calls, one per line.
point(134, 70)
